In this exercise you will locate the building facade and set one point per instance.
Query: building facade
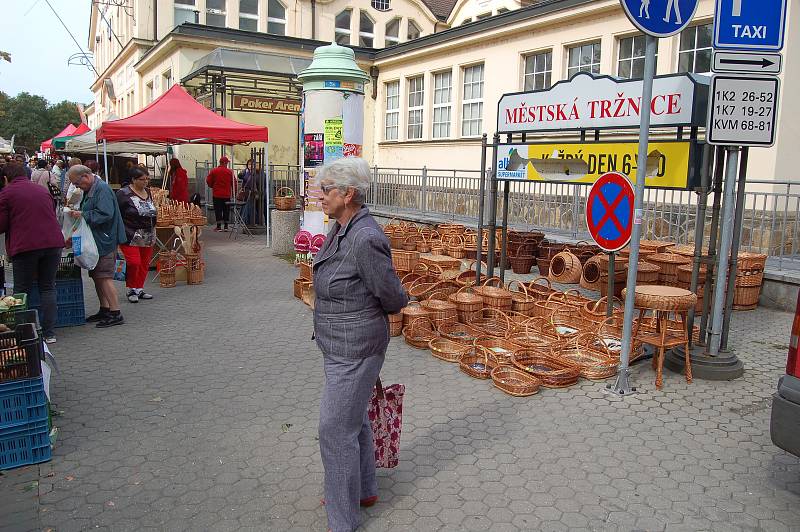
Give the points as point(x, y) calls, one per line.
point(434, 89)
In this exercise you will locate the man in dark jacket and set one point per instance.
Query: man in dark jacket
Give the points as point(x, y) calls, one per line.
point(33, 240)
point(220, 179)
point(100, 211)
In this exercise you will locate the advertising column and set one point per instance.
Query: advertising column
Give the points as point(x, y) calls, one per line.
point(332, 121)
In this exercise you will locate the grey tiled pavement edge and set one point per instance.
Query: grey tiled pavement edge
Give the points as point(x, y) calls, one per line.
point(200, 413)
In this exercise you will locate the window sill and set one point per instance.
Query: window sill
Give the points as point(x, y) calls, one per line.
point(444, 142)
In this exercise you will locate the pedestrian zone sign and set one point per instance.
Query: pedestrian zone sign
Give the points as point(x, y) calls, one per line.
point(749, 24)
point(660, 18)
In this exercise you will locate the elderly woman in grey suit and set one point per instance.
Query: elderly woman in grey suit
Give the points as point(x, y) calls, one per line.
point(356, 287)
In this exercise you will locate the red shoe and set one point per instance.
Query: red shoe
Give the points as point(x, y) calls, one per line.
point(365, 503)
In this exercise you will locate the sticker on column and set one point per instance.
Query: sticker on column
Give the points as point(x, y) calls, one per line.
point(637, 216)
point(334, 148)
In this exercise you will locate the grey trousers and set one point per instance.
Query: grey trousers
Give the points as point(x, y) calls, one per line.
point(345, 438)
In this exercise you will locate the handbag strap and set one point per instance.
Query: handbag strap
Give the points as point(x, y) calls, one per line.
point(379, 388)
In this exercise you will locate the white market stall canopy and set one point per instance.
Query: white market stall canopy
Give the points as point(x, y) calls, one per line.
point(87, 143)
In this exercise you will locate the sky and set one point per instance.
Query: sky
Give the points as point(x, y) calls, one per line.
point(40, 47)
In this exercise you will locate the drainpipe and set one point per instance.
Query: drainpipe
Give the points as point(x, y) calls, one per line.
point(313, 19)
point(373, 72)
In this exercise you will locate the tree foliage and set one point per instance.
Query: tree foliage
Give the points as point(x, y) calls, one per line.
point(33, 120)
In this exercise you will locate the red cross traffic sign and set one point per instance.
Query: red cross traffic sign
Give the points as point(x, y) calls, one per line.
point(609, 211)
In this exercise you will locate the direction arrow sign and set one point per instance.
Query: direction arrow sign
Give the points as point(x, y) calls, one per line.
point(609, 211)
point(750, 63)
point(660, 19)
point(749, 24)
point(743, 110)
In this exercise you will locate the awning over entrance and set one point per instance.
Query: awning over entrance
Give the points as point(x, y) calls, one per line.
point(229, 60)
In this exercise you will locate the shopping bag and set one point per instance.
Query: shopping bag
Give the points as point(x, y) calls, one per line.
point(83, 246)
point(386, 418)
point(120, 270)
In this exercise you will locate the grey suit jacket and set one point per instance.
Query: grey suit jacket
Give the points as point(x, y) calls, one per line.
point(356, 286)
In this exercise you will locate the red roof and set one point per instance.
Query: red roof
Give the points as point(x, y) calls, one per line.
point(177, 118)
point(80, 130)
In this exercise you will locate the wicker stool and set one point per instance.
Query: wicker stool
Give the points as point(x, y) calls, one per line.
point(667, 325)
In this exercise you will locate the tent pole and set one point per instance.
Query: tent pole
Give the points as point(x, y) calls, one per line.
point(105, 157)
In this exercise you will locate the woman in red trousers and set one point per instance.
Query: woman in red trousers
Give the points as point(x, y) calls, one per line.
point(139, 215)
point(179, 181)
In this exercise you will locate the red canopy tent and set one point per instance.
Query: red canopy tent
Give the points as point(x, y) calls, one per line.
point(177, 118)
point(69, 130)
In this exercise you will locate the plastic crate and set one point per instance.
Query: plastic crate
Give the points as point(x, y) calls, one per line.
point(70, 315)
point(21, 352)
point(12, 319)
point(68, 291)
point(22, 402)
point(67, 268)
point(24, 445)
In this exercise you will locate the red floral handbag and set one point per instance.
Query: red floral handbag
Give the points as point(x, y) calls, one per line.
point(386, 417)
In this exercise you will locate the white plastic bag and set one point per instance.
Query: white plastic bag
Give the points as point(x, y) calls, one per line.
point(83, 246)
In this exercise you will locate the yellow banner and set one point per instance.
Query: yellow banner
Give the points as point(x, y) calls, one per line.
point(668, 162)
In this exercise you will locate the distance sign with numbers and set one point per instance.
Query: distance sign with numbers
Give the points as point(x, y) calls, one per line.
point(742, 111)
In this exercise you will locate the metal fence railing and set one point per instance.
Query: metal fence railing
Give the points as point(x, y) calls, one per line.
point(771, 220)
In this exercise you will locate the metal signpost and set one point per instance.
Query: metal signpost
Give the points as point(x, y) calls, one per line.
point(743, 110)
point(653, 24)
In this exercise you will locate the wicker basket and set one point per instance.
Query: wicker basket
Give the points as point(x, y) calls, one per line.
point(646, 273)
point(405, 260)
point(685, 273)
point(658, 245)
point(308, 297)
point(596, 311)
point(413, 311)
point(664, 298)
point(420, 333)
point(523, 258)
point(751, 261)
point(167, 263)
point(538, 290)
point(196, 275)
point(494, 296)
point(306, 270)
point(454, 246)
point(459, 332)
point(448, 350)
point(592, 363)
point(514, 381)
point(529, 335)
point(285, 201)
point(492, 322)
point(396, 324)
point(520, 300)
point(467, 303)
point(441, 312)
point(298, 288)
point(565, 268)
point(669, 263)
point(478, 364)
point(551, 372)
point(501, 349)
point(590, 276)
point(747, 289)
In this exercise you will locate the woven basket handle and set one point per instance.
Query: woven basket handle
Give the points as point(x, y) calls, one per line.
point(599, 341)
point(571, 291)
point(290, 195)
point(542, 278)
point(495, 280)
point(520, 284)
point(434, 272)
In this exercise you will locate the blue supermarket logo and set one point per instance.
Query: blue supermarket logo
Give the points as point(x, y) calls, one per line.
point(512, 166)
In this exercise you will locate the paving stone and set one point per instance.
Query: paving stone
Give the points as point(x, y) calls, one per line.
point(201, 413)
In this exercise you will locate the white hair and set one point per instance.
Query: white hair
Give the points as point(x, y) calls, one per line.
point(346, 173)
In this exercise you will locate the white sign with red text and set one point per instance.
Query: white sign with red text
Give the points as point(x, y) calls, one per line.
point(596, 102)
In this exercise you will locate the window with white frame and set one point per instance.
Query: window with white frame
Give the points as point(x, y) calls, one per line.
point(416, 100)
point(694, 54)
point(630, 60)
point(414, 30)
point(472, 101)
point(148, 93)
point(366, 30)
point(166, 80)
point(342, 27)
point(185, 11)
point(276, 18)
point(392, 125)
point(442, 100)
point(215, 13)
point(380, 5)
point(538, 71)
point(248, 15)
point(583, 58)
point(392, 35)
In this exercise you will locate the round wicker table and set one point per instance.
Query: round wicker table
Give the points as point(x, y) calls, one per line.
point(665, 327)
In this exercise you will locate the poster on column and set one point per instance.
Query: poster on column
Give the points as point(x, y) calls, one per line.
point(314, 218)
point(333, 139)
point(313, 150)
point(353, 118)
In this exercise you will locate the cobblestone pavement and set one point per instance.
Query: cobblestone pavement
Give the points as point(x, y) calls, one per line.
point(201, 414)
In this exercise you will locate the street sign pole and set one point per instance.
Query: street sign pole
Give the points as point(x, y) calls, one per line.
point(622, 385)
point(726, 241)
